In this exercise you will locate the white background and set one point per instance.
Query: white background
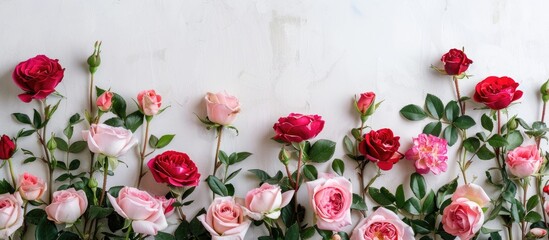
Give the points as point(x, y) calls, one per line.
point(277, 57)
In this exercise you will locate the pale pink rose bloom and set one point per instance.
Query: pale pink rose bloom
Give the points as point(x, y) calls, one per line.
point(472, 192)
point(31, 187)
point(225, 220)
point(331, 199)
point(222, 108)
point(109, 141)
point(266, 201)
point(167, 205)
point(145, 212)
point(462, 218)
point(149, 102)
point(428, 154)
point(67, 206)
point(382, 224)
point(524, 161)
point(538, 232)
point(11, 214)
point(104, 101)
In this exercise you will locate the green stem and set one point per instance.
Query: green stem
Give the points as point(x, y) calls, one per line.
point(217, 149)
point(524, 199)
point(296, 186)
point(458, 94)
point(91, 94)
point(78, 231)
point(143, 151)
point(11, 172)
point(42, 139)
point(372, 180)
point(105, 175)
point(129, 232)
point(539, 192)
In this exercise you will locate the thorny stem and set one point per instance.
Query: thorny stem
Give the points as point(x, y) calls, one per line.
point(10, 165)
point(143, 150)
point(458, 94)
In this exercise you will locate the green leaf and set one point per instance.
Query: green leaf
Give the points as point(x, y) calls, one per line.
point(399, 196)
point(429, 203)
point(36, 119)
point(68, 131)
point(35, 216)
point(514, 139)
point(434, 106)
point(153, 140)
point(24, 133)
point(262, 175)
point(74, 119)
point(417, 184)
point(348, 145)
point(78, 146)
point(412, 206)
point(22, 118)
point(182, 230)
point(217, 186)
point(532, 217)
point(471, 144)
point(164, 236)
point(532, 202)
point(433, 128)
point(75, 164)
point(293, 232)
point(420, 226)
point(464, 122)
point(232, 175)
point(45, 230)
point(5, 187)
point(119, 106)
point(487, 123)
point(338, 166)
point(451, 111)
point(239, 157)
point(413, 112)
point(98, 212)
point(450, 133)
point(68, 236)
point(308, 233)
point(310, 172)
point(322, 150)
point(325, 234)
point(495, 236)
point(115, 122)
point(485, 154)
point(497, 141)
point(378, 197)
point(164, 141)
point(61, 144)
point(358, 203)
point(29, 160)
point(134, 121)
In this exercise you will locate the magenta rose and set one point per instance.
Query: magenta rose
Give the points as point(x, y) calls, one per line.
point(365, 102)
point(428, 154)
point(462, 218)
point(67, 206)
point(266, 201)
point(331, 199)
point(297, 127)
point(149, 102)
point(174, 168)
point(222, 108)
point(381, 147)
point(497, 92)
point(31, 187)
point(225, 220)
point(38, 77)
point(455, 62)
point(524, 161)
point(11, 214)
point(382, 224)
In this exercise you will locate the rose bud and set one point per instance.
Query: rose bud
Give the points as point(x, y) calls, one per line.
point(536, 233)
point(222, 108)
point(524, 161)
point(95, 60)
point(366, 103)
point(266, 201)
point(174, 168)
point(331, 199)
point(7, 147)
point(67, 206)
point(149, 102)
point(382, 224)
point(104, 101)
point(297, 127)
point(225, 219)
point(455, 62)
point(37, 77)
point(544, 90)
point(109, 141)
point(12, 214)
point(31, 187)
point(497, 92)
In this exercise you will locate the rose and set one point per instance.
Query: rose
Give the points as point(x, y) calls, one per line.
point(109, 141)
point(225, 220)
point(67, 206)
point(365, 102)
point(497, 92)
point(473, 193)
point(297, 127)
point(167, 204)
point(266, 201)
point(38, 77)
point(144, 211)
point(428, 154)
point(7, 147)
point(222, 108)
point(536, 233)
point(381, 146)
point(546, 189)
point(149, 102)
point(382, 224)
point(331, 199)
point(31, 187)
point(11, 214)
point(462, 218)
point(455, 62)
point(104, 101)
point(174, 168)
point(524, 161)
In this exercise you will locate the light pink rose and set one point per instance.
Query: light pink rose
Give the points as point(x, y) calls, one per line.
point(145, 212)
point(167, 205)
point(149, 102)
point(104, 101)
point(109, 141)
point(382, 224)
point(266, 201)
point(462, 218)
point(225, 220)
point(524, 161)
point(546, 207)
point(428, 154)
point(472, 192)
point(222, 108)
point(11, 214)
point(537, 232)
point(31, 187)
point(67, 206)
point(331, 199)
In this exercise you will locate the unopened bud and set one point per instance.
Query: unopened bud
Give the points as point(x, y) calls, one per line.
point(512, 124)
point(95, 60)
point(93, 183)
point(536, 233)
point(52, 144)
point(336, 237)
point(544, 90)
point(284, 156)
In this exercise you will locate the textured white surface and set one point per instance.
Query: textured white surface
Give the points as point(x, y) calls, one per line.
point(277, 57)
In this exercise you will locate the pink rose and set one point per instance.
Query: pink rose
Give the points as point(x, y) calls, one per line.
point(365, 102)
point(149, 103)
point(37, 77)
point(537, 233)
point(462, 218)
point(222, 108)
point(297, 127)
point(11, 214)
point(472, 192)
point(145, 212)
point(104, 101)
point(524, 161)
point(167, 204)
point(109, 141)
point(382, 224)
point(331, 199)
point(225, 220)
point(67, 206)
point(30, 187)
point(546, 207)
point(428, 154)
point(266, 201)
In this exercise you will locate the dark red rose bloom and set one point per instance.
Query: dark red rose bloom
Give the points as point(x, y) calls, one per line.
point(38, 77)
point(497, 92)
point(7, 147)
point(455, 62)
point(381, 147)
point(297, 127)
point(546, 189)
point(174, 168)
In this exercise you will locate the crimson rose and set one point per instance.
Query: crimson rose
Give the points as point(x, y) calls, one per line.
point(297, 127)
point(174, 168)
point(7, 147)
point(455, 62)
point(497, 92)
point(38, 77)
point(381, 146)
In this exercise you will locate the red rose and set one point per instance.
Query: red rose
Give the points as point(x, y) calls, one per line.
point(455, 62)
point(7, 147)
point(38, 77)
point(297, 127)
point(174, 168)
point(546, 189)
point(497, 92)
point(381, 146)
